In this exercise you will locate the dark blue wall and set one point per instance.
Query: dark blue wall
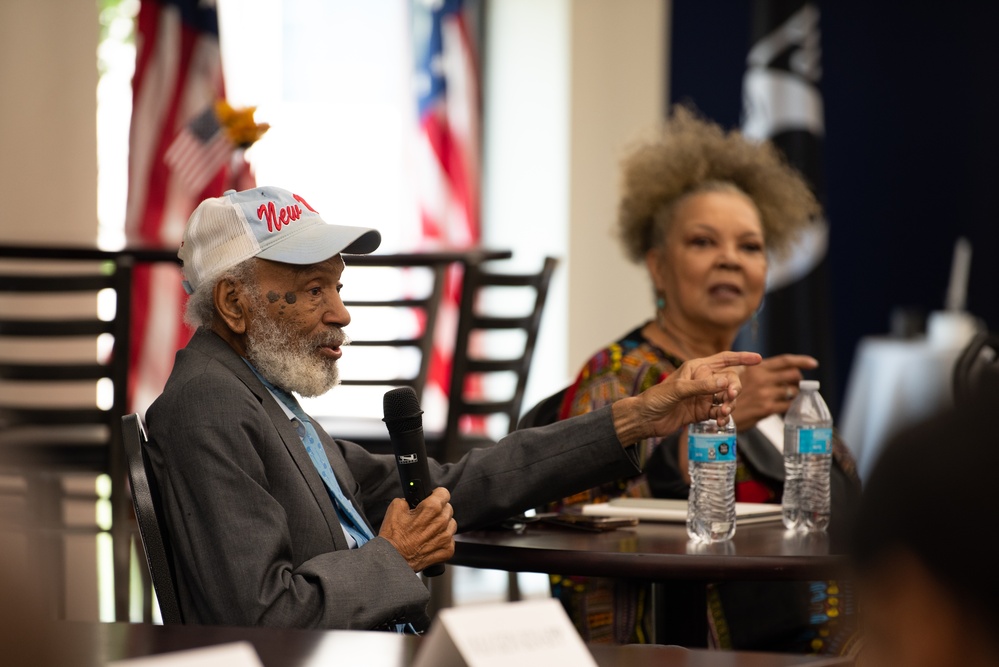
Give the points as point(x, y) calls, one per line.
point(912, 144)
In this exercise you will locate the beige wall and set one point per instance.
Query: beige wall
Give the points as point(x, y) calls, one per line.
point(569, 83)
point(48, 112)
point(618, 85)
point(48, 170)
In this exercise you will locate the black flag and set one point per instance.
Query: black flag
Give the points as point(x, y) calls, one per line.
point(782, 102)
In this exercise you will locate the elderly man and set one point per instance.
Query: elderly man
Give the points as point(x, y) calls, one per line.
point(275, 523)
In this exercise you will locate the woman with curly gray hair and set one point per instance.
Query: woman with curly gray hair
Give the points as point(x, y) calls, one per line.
point(703, 209)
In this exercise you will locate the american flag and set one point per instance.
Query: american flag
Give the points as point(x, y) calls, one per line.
point(178, 74)
point(447, 152)
point(199, 151)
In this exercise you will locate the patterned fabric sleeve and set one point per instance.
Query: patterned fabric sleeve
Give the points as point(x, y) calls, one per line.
point(609, 610)
point(613, 373)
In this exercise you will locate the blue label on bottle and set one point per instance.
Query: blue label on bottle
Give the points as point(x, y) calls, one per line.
point(711, 448)
point(815, 441)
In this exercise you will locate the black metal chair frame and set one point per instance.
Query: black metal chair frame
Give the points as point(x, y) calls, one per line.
point(148, 510)
point(428, 305)
point(981, 353)
point(464, 363)
point(38, 442)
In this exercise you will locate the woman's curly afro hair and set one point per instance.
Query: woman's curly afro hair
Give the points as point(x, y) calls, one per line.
point(691, 154)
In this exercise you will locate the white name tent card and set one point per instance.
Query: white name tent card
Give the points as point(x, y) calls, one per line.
point(236, 654)
point(526, 634)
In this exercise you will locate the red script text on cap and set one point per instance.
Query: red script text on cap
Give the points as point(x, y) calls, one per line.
point(278, 218)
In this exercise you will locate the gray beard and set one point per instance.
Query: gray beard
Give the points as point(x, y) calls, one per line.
point(289, 361)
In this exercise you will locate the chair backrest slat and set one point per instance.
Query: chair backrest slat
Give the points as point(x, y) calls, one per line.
point(397, 342)
point(392, 382)
point(11, 416)
point(54, 372)
point(388, 303)
point(51, 349)
point(40, 284)
point(54, 328)
point(424, 307)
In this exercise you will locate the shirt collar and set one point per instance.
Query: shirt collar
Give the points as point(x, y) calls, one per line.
point(281, 404)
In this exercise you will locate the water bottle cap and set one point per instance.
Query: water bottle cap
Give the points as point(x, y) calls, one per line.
point(809, 385)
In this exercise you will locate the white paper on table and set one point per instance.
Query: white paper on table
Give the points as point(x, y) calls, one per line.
point(235, 654)
point(675, 511)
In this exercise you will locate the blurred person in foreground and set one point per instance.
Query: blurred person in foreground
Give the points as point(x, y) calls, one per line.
point(272, 521)
point(702, 209)
point(929, 583)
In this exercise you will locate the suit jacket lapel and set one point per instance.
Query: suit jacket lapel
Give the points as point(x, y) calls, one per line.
point(221, 351)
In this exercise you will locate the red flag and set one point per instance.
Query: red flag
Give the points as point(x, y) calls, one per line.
point(178, 75)
point(447, 152)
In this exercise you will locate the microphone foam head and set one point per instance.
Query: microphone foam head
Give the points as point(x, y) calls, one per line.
point(402, 410)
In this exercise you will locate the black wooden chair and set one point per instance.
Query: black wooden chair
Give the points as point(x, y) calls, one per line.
point(470, 362)
point(393, 301)
point(146, 501)
point(979, 358)
point(366, 275)
point(58, 414)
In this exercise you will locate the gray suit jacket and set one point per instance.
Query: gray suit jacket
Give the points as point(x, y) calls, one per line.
point(255, 537)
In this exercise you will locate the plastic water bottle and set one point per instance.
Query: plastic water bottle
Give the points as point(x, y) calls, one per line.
point(711, 507)
point(807, 459)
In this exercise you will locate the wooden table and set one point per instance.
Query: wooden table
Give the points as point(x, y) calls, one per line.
point(660, 553)
point(94, 644)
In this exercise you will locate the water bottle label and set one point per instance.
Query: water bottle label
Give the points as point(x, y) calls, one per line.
point(711, 448)
point(815, 441)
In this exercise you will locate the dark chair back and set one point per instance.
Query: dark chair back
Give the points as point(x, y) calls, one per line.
point(469, 362)
point(545, 412)
point(81, 435)
point(393, 301)
point(146, 500)
point(979, 359)
point(63, 391)
point(394, 286)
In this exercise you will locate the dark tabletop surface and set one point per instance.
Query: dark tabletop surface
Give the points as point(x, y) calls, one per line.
point(650, 550)
point(95, 644)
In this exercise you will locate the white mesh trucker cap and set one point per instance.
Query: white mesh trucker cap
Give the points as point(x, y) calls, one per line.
point(265, 222)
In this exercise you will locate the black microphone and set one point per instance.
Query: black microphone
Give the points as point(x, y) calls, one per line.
point(404, 420)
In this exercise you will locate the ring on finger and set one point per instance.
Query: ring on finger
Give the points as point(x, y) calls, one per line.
point(788, 392)
point(715, 400)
